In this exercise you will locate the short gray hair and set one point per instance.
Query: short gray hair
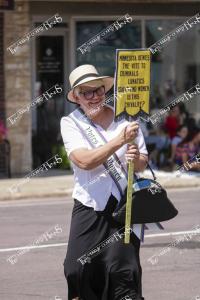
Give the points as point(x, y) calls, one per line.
point(77, 90)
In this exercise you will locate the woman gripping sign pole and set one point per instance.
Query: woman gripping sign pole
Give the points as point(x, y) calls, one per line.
point(98, 148)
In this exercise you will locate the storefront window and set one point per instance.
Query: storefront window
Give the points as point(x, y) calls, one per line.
point(102, 54)
point(176, 68)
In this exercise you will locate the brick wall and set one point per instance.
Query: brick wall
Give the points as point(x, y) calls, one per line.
point(18, 86)
point(2, 97)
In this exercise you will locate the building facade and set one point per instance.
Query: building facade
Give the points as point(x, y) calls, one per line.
point(49, 55)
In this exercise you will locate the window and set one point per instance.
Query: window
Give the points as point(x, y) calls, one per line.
point(174, 70)
point(102, 54)
point(177, 67)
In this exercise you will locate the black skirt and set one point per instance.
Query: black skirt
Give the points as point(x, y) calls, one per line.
point(113, 270)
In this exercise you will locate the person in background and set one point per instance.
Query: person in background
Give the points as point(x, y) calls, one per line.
point(187, 149)
point(173, 121)
point(187, 118)
point(181, 134)
point(158, 143)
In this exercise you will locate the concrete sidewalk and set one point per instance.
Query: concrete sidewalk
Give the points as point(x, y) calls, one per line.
point(62, 185)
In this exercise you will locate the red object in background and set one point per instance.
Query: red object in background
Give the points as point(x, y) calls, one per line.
point(3, 130)
point(171, 125)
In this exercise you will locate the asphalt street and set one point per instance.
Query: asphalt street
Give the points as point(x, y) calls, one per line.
point(172, 274)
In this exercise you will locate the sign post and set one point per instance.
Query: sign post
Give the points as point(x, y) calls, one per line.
point(132, 91)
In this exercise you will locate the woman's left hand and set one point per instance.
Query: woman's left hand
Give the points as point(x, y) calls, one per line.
point(132, 153)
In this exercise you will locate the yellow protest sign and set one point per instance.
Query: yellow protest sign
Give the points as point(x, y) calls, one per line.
point(132, 82)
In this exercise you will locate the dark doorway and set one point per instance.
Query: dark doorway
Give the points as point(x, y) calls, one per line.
point(46, 120)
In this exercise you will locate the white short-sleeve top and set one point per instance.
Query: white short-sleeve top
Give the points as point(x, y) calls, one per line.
point(94, 187)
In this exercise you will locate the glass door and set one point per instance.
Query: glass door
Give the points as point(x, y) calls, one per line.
point(49, 82)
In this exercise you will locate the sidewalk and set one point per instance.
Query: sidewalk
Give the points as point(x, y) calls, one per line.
point(62, 185)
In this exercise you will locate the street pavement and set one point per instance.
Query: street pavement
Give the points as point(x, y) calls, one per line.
point(38, 272)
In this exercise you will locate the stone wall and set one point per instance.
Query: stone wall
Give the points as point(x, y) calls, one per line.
point(18, 86)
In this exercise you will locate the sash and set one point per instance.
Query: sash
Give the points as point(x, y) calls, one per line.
point(113, 164)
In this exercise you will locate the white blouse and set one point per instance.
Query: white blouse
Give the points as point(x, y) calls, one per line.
point(94, 187)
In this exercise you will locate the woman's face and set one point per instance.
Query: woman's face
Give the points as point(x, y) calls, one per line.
point(175, 112)
point(91, 99)
point(183, 132)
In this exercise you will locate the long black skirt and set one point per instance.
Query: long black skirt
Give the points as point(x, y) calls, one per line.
point(107, 271)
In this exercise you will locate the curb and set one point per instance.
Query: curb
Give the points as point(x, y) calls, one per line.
point(68, 192)
point(20, 196)
point(62, 186)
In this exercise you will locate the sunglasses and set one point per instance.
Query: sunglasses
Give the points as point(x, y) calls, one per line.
point(90, 94)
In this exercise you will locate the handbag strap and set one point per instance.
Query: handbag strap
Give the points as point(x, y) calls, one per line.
point(152, 172)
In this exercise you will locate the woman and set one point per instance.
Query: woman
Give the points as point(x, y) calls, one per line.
point(172, 122)
point(97, 147)
point(187, 150)
point(181, 134)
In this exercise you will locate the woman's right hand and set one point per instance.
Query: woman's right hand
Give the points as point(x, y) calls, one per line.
point(129, 133)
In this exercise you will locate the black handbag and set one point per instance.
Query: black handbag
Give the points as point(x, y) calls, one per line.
point(150, 205)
